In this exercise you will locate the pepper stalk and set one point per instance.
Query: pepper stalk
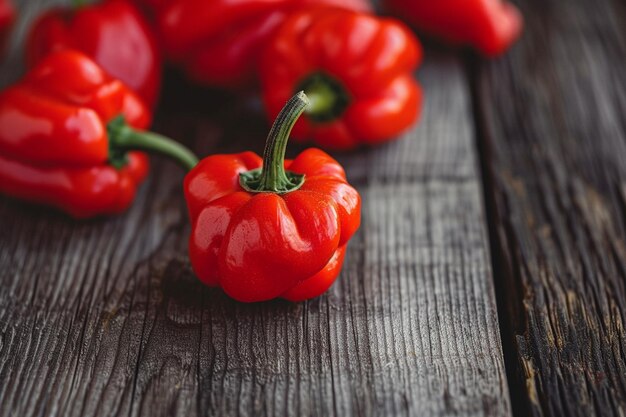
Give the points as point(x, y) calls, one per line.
point(123, 138)
point(329, 99)
point(272, 177)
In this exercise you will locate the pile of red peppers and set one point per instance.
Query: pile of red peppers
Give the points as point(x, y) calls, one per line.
point(74, 131)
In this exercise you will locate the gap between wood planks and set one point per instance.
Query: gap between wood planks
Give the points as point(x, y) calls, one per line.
point(519, 407)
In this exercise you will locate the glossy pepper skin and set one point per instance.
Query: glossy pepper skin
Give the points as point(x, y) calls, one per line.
point(7, 17)
point(64, 140)
point(113, 33)
point(259, 241)
point(490, 26)
point(217, 42)
point(357, 69)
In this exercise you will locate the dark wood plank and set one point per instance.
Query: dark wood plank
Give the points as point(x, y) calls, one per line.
point(105, 317)
point(554, 113)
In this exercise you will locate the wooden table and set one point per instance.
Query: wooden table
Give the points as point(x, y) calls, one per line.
point(488, 277)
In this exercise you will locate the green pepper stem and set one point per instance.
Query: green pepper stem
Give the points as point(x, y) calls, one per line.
point(77, 4)
point(328, 97)
point(123, 137)
point(272, 177)
point(322, 99)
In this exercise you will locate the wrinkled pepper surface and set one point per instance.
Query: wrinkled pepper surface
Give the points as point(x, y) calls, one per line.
point(65, 134)
point(218, 42)
point(357, 70)
point(268, 228)
point(113, 33)
point(7, 17)
point(490, 26)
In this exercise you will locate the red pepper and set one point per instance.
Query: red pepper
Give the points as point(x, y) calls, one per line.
point(357, 69)
point(65, 132)
point(218, 42)
point(7, 17)
point(113, 33)
point(491, 26)
point(267, 228)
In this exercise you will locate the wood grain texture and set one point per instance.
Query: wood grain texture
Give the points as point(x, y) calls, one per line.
point(554, 113)
point(106, 318)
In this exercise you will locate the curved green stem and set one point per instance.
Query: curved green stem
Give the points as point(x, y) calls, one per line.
point(123, 137)
point(77, 4)
point(273, 178)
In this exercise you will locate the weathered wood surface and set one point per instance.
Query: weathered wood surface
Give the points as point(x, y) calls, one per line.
point(554, 113)
point(105, 317)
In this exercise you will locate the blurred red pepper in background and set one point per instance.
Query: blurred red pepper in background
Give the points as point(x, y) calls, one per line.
point(356, 68)
point(271, 228)
point(218, 42)
point(7, 17)
point(491, 26)
point(65, 132)
point(113, 33)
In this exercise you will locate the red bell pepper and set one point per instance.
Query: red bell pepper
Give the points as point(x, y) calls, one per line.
point(218, 42)
point(113, 33)
point(65, 132)
point(491, 26)
point(7, 17)
point(357, 69)
point(267, 228)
